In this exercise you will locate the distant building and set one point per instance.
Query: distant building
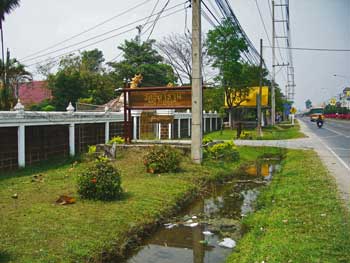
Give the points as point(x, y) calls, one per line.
point(34, 92)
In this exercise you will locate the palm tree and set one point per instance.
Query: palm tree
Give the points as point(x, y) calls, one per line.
point(6, 6)
point(15, 75)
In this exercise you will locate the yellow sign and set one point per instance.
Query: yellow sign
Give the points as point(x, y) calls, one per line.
point(333, 101)
point(293, 110)
point(250, 101)
point(348, 93)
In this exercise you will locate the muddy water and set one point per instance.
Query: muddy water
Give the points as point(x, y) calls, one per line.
point(195, 234)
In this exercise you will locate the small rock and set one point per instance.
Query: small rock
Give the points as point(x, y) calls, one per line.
point(15, 196)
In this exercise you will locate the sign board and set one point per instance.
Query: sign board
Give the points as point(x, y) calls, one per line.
point(286, 108)
point(293, 110)
point(166, 119)
point(150, 98)
point(252, 98)
point(333, 101)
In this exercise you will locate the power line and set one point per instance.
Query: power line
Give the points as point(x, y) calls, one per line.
point(86, 30)
point(314, 49)
point(97, 36)
point(156, 20)
point(99, 41)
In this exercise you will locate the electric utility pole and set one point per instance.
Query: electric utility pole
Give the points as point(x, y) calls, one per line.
point(259, 96)
point(273, 103)
point(197, 106)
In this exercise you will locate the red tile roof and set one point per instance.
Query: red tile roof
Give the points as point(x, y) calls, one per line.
point(34, 92)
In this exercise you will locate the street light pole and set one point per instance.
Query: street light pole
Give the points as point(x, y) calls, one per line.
point(197, 104)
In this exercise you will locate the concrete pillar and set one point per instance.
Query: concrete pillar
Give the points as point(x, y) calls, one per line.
point(179, 128)
point(216, 120)
point(134, 127)
point(197, 105)
point(107, 132)
point(71, 139)
point(21, 142)
point(169, 131)
point(159, 131)
point(211, 121)
point(204, 123)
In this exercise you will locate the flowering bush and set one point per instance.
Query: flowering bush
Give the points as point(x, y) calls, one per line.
point(100, 181)
point(162, 159)
point(225, 151)
point(117, 140)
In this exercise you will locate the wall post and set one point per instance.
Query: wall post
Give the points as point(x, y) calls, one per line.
point(21, 146)
point(107, 132)
point(72, 139)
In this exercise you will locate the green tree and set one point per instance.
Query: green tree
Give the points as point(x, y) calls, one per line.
point(92, 60)
point(143, 58)
point(81, 77)
point(6, 7)
point(308, 104)
point(16, 74)
point(213, 99)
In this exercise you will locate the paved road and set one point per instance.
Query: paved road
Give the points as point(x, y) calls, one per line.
point(334, 134)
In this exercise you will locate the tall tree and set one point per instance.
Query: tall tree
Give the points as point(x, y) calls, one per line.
point(225, 46)
point(6, 7)
point(143, 58)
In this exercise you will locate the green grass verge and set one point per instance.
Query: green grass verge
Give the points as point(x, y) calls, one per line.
point(299, 217)
point(279, 132)
point(35, 229)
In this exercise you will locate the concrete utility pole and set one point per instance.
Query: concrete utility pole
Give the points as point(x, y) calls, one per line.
point(273, 103)
point(197, 104)
point(259, 96)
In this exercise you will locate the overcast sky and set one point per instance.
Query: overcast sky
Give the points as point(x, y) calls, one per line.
point(39, 24)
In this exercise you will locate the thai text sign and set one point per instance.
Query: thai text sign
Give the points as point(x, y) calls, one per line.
point(158, 99)
point(250, 100)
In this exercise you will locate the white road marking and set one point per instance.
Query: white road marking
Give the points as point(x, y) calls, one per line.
point(336, 132)
point(335, 155)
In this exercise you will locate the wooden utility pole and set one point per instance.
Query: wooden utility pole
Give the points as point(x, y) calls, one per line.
point(197, 106)
point(259, 96)
point(273, 102)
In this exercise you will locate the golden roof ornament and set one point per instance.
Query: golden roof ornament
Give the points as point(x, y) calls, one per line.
point(135, 81)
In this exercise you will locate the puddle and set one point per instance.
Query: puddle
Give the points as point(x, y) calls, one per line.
point(194, 235)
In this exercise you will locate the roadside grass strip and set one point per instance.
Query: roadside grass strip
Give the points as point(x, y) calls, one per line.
point(299, 219)
point(33, 228)
point(279, 132)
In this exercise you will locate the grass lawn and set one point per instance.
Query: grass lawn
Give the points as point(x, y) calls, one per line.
point(33, 228)
point(299, 217)
point(279, 132)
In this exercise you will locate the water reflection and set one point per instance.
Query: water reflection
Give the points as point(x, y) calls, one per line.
point(218, 212)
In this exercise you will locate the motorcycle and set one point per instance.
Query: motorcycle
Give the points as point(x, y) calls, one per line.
point(319, 122)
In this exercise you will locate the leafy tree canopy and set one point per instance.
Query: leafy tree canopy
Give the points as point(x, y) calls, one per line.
point(143, 58)
point(81, 77)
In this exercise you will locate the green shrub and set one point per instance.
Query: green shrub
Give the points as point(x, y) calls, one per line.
point(207, 140)
point(117, 140)
point(162, 159)
point(100, 181)
point(246, 135)
point(223, 151)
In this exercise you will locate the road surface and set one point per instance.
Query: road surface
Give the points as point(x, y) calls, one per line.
point(335, 134)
